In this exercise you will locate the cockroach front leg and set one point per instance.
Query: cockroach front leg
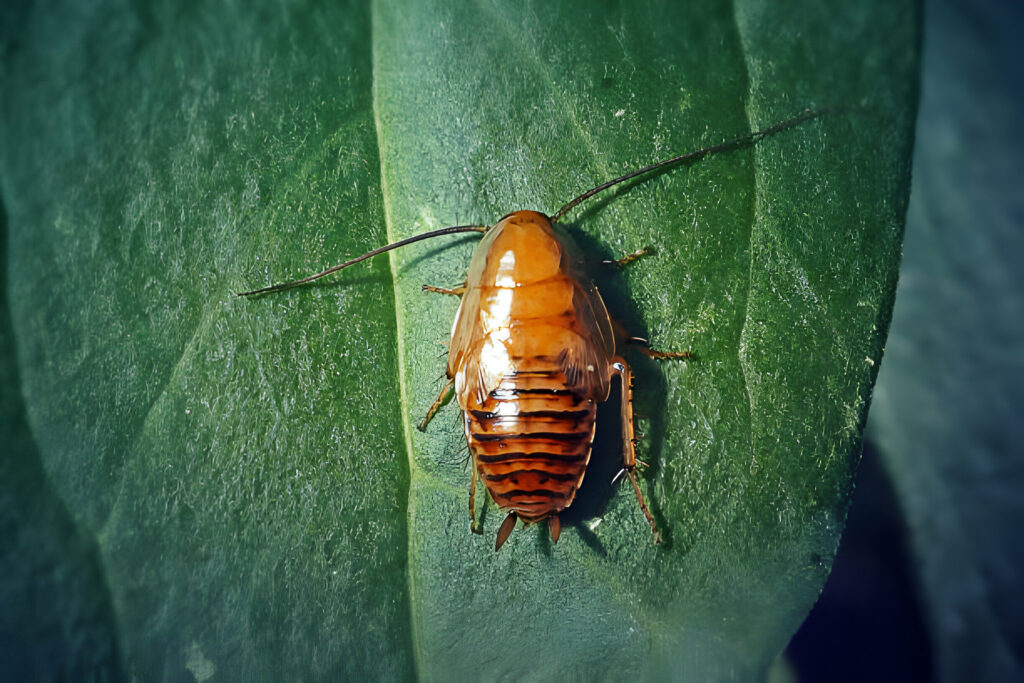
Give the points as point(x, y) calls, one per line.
point(622, 369)
point(438, 402)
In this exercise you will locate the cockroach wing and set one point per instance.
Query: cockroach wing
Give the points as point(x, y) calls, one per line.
point(488, 347)
point(574, 346)
point(527, 309)
point(587, 362)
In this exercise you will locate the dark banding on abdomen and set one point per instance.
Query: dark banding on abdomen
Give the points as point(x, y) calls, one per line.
point(531, 441)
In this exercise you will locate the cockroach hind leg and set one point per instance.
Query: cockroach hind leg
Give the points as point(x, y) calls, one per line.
point(436, 405)
point(505, 529)
point(643, 505)
point(473, 526)
point(554, 527)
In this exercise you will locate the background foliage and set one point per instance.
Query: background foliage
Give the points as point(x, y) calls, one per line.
point(946, 416)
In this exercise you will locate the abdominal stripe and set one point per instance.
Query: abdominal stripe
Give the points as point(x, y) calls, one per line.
point(512, 457)
point(540, 493)
point(530, 414)
point(543, 475)
point(536, 436)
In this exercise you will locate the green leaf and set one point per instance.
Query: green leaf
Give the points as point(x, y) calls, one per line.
point(240, 464)
point(247, 468)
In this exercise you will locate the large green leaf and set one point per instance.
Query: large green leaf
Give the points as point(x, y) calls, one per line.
point(259, 500)
point(241, 466)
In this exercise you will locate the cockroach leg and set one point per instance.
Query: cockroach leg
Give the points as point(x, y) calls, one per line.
point(625, 373)
point(643, 506)
point(438, 402)
point(664, 355)
point(472, 502)
point(640, 344)
point(455, 291)
point(629, 258)
point(505, 529)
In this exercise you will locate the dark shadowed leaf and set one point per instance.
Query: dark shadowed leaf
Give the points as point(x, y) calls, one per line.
point(947, 415)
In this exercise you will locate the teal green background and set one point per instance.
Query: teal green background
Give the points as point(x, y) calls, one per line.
point(946, 414)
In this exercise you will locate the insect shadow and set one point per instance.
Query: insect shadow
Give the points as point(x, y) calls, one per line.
point(597, 489)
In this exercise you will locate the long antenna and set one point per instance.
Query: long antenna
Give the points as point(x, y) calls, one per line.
point(741, 141)
point(369, 254)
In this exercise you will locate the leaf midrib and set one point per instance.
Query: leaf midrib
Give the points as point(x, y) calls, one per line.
point(587, 139)
point(399, 326)
point(741, 347)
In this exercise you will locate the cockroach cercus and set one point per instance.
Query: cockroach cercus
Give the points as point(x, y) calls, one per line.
point(533, 351)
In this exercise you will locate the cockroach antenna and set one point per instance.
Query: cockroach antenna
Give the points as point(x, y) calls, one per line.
point(370, 254)
point(742, 141)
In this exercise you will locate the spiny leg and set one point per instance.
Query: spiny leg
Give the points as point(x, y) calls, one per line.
point(640, 344)
point(621, 367)
point(663, 355)
point(472, 499)
point(454, 291)
point(441, 398)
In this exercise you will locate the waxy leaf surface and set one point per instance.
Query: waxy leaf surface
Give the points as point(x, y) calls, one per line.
point(249, 472)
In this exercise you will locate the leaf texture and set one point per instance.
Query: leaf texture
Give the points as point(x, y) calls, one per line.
point(260, 504)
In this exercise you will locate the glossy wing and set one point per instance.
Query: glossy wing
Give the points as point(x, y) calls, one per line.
point(586, 357)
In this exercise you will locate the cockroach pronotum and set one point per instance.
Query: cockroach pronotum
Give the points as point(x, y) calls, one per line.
point(533, 351)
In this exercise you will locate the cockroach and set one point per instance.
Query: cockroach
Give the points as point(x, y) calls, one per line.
point(533, 351)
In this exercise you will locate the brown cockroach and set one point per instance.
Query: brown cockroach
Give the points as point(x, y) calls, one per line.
point(533, 351)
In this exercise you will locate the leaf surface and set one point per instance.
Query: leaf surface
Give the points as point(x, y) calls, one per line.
point(260, 501)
